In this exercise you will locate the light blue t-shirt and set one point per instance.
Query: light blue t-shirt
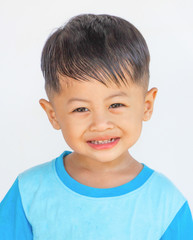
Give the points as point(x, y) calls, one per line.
point(46, 203)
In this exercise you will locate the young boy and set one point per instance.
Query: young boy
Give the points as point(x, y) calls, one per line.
point(96, 71)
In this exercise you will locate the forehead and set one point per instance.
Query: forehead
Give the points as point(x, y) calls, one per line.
point(93, 90)
point(70, 84)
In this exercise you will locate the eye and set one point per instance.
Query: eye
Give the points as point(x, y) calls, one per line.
point(116, 105)
point(81, 109)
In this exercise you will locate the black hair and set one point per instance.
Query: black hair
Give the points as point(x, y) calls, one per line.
point(101, 47)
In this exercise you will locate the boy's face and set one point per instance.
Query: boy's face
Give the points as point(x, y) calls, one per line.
point(87, 111)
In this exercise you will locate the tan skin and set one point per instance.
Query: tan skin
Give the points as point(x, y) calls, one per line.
point(98, 116)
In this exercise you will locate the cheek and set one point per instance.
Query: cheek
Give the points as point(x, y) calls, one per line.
point(71, 129)
point(131, 118)
point(132, 124)
point(73, 135)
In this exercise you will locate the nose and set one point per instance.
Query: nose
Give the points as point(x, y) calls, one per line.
point(101, 122)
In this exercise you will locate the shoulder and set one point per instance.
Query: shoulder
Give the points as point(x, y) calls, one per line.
point(40, 178)
point(165, 188)
point(41, 170)
point(36, 170)
point(31, 179)
point(163, 199)
point(165, 196)
point(34, 184)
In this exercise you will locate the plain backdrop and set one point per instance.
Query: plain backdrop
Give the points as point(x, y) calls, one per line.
point(28, 139)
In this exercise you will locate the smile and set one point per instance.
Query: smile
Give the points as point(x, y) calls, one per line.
point(103, 141)
point(103, 144)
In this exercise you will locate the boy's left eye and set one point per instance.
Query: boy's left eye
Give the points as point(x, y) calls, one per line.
point(117, 105)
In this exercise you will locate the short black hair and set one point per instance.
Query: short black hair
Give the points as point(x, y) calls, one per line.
point(102, 47)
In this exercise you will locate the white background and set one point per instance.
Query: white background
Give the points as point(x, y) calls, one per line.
point(27, 138)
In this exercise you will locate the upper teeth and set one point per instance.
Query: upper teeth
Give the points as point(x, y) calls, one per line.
point(105, 141)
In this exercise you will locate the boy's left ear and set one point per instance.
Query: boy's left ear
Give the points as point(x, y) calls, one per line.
point(149, 103)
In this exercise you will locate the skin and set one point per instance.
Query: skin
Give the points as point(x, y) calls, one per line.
point(100, 117)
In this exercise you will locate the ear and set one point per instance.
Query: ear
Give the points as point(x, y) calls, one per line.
point(149, 103)
point(47, 106)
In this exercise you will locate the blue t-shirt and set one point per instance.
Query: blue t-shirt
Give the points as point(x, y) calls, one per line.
point(45, 202)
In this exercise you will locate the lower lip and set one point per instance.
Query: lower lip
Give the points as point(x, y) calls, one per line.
point(105, 145)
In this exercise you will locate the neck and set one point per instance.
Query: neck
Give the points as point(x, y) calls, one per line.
point(124, 162)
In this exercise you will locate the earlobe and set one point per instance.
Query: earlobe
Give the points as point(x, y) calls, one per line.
point(149, 103)
point(46, 105)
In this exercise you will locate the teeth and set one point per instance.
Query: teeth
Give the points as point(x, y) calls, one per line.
point(102, 142)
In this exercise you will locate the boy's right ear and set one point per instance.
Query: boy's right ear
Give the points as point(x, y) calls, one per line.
point(47, 106)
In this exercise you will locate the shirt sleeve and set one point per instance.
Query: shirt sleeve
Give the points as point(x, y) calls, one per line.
point(13, 222)
point(182, 225)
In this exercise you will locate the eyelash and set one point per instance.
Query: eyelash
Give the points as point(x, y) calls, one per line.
point(76, 110)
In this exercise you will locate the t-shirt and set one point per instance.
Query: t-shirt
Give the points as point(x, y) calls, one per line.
point(46, 203)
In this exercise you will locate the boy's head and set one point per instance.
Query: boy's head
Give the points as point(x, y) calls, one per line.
point(96, 71)
point(100, 47)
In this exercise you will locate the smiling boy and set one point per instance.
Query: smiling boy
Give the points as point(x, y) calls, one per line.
point(96, 70)
point(87, 112)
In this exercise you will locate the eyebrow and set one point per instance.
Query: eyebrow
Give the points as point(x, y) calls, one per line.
point(121, 94)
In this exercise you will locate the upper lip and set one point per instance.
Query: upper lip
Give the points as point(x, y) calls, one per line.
point(102, 138)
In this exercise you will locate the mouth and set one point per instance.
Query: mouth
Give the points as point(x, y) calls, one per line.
point(103, 141)
point(103, 144)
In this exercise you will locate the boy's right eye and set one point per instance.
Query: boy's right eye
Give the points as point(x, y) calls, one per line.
point(81, 109)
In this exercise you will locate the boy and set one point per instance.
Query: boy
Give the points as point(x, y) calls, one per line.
point(96, 71)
